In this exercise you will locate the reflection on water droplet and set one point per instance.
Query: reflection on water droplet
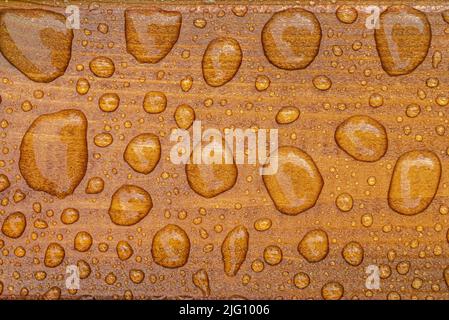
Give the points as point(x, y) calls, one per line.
point(291, 38)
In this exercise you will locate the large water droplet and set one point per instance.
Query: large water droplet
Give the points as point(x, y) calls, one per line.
point(415, 181)
point(53, 153)
point(291, 38)
point(151, 33)
point(314, 247)
point(297, 184)
point(363, 138)
point(402, 39)
point(234, 249)
point(143, 152)
point(171, 247)
point(36, 42)
point(129, 205)
point(221, 61)
point(14, 225)
point(209, 180)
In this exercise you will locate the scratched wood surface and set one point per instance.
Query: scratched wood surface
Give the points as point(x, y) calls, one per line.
point(356, 74)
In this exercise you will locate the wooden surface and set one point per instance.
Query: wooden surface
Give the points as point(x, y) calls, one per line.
point(392, 238)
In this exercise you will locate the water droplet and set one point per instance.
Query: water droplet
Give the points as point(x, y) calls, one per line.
point(109, 102)
point(314, 246)
point(414, 182)
point(49, 56)
point(4, 182)
point(151, 33)
point(84, 269)
point(332, 291)
point(54, 293)
point(124, 250)
point(322, 82)
point(201, 281)
point(376, 100)
point(143, 153)
point(102, 67)
point(287, 115)
point(103, 140)
point(221, 61)
point(301, 280)
point(129, 205)
point(154, 102)
point(363, 138)
point(82, 86)
point(297, 184)
point(53, 152)
point(353, 253)
point(83, 241)
point(262, 83)
point(54, 255)
point(344, 202)
point(346, 14)
point(184, 116)
point(262, 224)
point(95, 185)
point(70, 215)
point(240, 10)
point(171, 247)
point(14, 225)
point(291, 38)
point(399, 27)
point(272, 255)
point(210, 180)
point(136, 276)
point(186, 83)
point(413, 110)
point(234, 249)
point(200, 23)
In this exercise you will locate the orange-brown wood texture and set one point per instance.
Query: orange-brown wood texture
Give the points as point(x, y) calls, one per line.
point(72, 100)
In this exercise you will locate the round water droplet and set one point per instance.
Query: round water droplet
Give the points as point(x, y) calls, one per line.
point(129, 205)
point(83, 241)
point(346, 14)
point(314, 246)
point(95, 185)
point(154, 102)
point(322, 83)
point(399, 26)
point(70, 215)
point(14, 225)
point(363, 138)
point(184, 116)
point(262, 83)
point(262, 224)
point(124, 250)
point(414, 182)
point(353, 253)
point(297, 184)
point(272, 255)
point(221, 61)
point(332, 291)
point(103, 140)
point(287, 115)
point(54, 255)
point(291, 38)
point(171, 247)
point(102, 67)
point(143, 152)
point(109, 102)
point(344, 202)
